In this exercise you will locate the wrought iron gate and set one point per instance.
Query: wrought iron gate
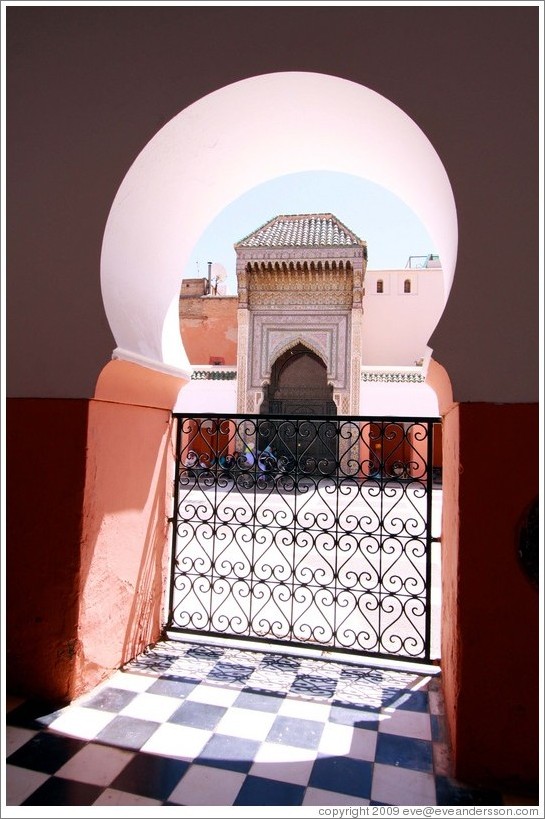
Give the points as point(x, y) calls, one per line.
point(311, 530)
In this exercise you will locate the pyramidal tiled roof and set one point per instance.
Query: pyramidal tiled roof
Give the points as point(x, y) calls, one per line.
point(301, 230)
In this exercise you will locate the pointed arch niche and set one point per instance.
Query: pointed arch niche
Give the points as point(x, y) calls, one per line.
point(299, 384)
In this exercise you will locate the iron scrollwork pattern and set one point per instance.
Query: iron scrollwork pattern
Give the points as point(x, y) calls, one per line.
point(308, 530)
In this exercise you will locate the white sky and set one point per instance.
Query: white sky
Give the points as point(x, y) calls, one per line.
point(390, 228)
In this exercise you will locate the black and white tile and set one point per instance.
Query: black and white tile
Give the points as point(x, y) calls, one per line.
point(194, 724)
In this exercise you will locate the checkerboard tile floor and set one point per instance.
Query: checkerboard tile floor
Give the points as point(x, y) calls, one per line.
point(202, 724)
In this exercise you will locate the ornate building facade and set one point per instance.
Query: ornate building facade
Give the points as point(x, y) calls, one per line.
point(300, 292)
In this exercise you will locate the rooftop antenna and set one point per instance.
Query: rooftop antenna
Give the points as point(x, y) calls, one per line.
point(220, 274)
point(209, 278)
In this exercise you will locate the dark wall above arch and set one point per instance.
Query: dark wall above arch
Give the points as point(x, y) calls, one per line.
point(88, 87)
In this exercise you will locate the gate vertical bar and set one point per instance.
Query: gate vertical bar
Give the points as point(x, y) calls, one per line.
point(174, 518)
point(297, 475)
point(255, 473)
point(338, 478)
point(429, 499)
point(383, 484)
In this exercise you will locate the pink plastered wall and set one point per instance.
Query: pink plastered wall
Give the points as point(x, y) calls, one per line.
point(88, 545)
point(124, 548)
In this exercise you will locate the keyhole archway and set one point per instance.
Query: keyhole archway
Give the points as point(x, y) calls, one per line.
point(205, 158)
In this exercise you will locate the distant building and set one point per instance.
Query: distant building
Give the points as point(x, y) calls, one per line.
point(312, 329)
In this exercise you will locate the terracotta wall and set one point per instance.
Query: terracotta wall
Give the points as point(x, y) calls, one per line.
point(46, 449)
point(209, 328)
point(490, 608)
point(88, 497)
point(451, 648)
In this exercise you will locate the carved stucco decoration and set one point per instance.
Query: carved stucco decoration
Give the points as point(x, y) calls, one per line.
point(271, 334)
point(259, 255)
point(387, 377)
point(280, 288)
point(329, 336)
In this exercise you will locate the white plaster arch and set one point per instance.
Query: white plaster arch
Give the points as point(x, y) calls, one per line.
point(207, 156)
